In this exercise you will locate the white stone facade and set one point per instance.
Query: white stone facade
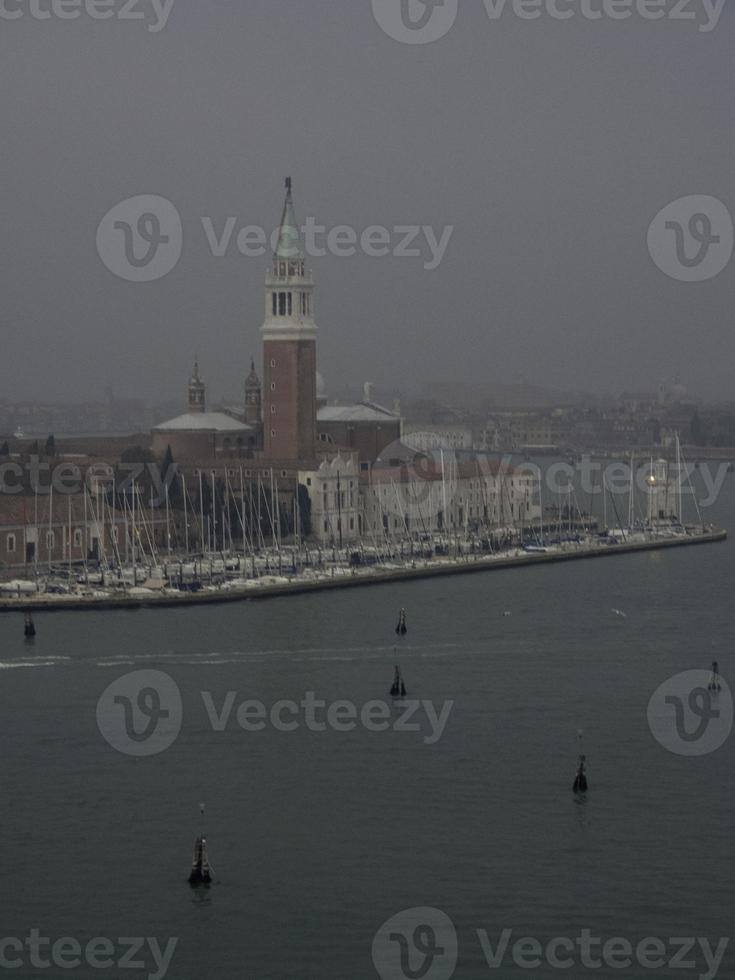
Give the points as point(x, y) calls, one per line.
point(334, 490)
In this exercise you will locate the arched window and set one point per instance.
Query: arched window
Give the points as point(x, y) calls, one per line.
point(10, 544)
point(275, 304)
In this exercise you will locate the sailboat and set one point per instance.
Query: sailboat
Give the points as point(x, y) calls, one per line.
point(398, 687)
point(201, 869)
point(580, 779)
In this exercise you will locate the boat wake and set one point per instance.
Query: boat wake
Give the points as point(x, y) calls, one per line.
point(30, 664)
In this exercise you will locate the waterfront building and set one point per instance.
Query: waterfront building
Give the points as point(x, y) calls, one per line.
point(43, 531)
point(333, 490)
point(441, 492)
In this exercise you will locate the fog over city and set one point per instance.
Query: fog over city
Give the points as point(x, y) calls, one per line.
point(531, 155)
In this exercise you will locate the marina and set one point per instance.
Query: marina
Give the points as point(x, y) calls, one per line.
point(343, 576)
point(146, 566)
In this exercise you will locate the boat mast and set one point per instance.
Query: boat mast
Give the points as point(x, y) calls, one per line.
point(186, 517)
point(133, 537)
point(38, 536)
point(444, 493)
point(630, 494)
point(201, 510)
point(101, 529)
point(678, 479)
point(651, 484)
point(50, 523)
point(168, 522)
point(213, 512)
point(541, 504)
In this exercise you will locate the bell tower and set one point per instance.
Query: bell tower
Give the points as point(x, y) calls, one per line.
point(289, 347)
point(197, 391)
point(253, 396)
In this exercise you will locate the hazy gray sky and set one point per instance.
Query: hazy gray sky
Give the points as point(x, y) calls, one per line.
point(549, 146)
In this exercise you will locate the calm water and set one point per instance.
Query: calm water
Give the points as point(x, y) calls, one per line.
point(318, 838)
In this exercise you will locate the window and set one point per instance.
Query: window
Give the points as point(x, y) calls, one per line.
point(275, 305)
point(78, 537)
point(273, 363)
point(281, 304)
point(50, 540)
point(10, 544)
point(273, 433)
point(273, 386)
point(115, 534)
point(273, 409)
point(290, 304)
point(308, 481)
point(326, 527)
